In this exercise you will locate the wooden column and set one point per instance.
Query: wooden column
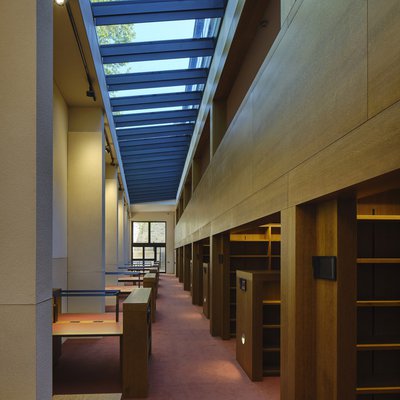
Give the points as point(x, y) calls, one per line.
point(219, 286)
point(197, 274)
point(318, 358)
point(187, 256)
point(297, 305)
point(206, 290)
point(176, 262)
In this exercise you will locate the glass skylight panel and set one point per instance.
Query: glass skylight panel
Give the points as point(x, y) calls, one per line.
point(167, 30)
point(141, 92)
point(148, 66)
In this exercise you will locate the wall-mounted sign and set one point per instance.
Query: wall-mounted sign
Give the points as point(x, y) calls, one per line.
point(324, 267)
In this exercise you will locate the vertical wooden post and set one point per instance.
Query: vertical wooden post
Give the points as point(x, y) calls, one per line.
point(180, 264)
point(318, 354)
point(187, 255)
point(219, 286)
point(197, 276)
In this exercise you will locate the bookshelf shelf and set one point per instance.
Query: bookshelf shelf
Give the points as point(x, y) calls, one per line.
point(378, 299)
point(378, 260)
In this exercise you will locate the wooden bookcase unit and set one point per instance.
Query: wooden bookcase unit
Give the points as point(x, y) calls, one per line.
point(257, 251)
point(378, 298)
point(136, 344)
point(258, 323)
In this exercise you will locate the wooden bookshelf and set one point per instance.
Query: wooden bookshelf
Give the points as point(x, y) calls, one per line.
point(378, 298)
point(258, 323)
point(257, 249)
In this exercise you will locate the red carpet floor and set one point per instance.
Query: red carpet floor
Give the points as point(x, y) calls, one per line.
point(187, 362)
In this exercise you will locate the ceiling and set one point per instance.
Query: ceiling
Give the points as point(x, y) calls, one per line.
point(155, 79)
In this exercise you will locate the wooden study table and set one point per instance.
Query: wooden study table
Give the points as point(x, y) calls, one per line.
point(84, 324)
point(134, 336)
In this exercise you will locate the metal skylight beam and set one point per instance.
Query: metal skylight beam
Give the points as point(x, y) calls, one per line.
point(140, 11)
point(160, 50)
point(155, 101)
point(147, 80)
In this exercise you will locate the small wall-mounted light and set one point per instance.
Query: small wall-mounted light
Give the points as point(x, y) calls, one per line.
point(60, 2)
point(243, 338)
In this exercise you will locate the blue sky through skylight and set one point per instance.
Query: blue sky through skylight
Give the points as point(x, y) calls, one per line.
point(168, 30)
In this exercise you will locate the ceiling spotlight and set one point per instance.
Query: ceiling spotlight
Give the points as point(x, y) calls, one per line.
point(60, 2)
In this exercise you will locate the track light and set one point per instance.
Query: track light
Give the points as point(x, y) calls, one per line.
point(60, 2)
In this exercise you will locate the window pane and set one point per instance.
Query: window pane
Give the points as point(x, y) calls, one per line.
point(161, 258)
point(149, 253)
point(137, 253)
point(140, 232)
point(157, 232)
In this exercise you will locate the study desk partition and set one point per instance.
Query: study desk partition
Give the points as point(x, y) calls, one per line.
point(127, 276)
point(58, 293)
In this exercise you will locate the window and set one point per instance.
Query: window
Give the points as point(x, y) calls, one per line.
point(148, 242)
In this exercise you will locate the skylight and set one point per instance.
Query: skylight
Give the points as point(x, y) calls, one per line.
point(156, 55)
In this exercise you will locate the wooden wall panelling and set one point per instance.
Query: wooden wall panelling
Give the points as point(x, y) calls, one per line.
point(196, 173)
point(367, 152)
point(298, 307)
point(267, 201)
point(232, 171)
point(217, 124)
point(307, 89)
point(383, 54)
point(261, 30)
point(286, 6)
point(377, 154)
point(187, 190)
point(187, 257)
